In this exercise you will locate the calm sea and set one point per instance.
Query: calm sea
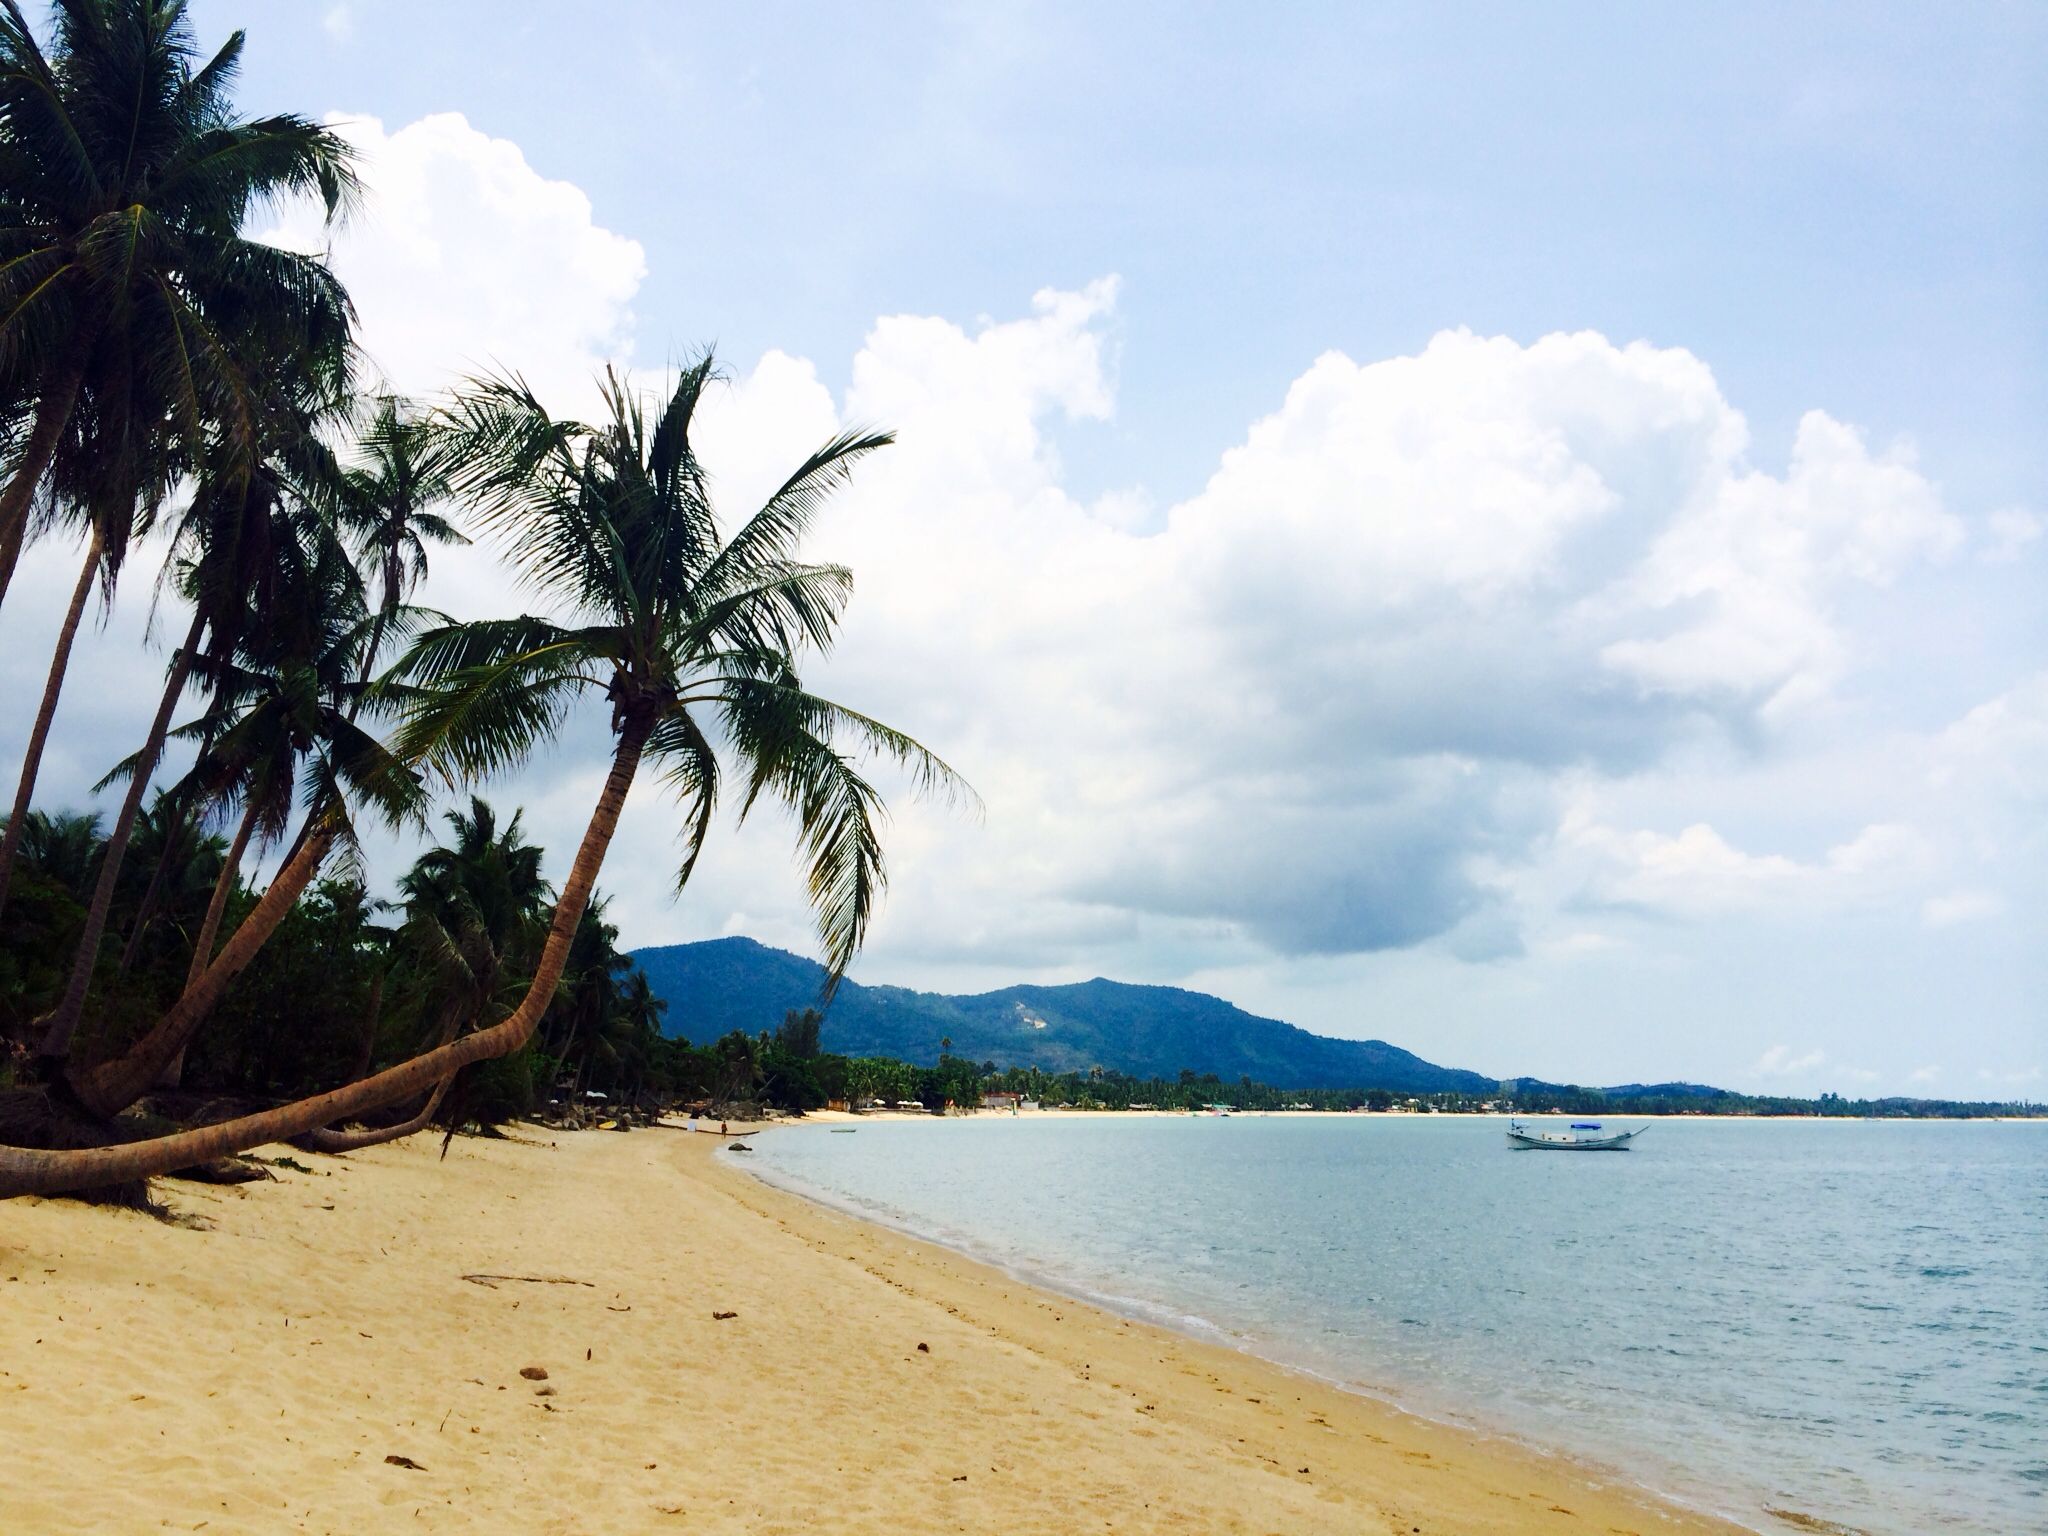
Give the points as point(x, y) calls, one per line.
point(1845, 1319)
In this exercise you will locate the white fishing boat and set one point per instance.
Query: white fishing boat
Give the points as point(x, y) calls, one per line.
point(1580, 1136)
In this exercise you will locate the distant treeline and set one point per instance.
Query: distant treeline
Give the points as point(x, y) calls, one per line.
point(1571, 1100)
point(785, 1070)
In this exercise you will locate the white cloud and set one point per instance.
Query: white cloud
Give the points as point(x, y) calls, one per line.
point(1781, 1061)
point(1698, 873)
point(1749, 571)
point(1440, 655)
point(1952, 908)
point(2010, 532)
point(465, 258)
point(339, 22)
point(1323, 705)
point(1999, 748)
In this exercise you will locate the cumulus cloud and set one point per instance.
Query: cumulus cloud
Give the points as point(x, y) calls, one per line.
point(1325, 705)
point(1999, 748)
point(1448, 651)
point(463, 256)
point(467, 258)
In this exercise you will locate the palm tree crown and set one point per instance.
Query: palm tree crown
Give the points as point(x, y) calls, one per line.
point(132, 307)
point(684, 633)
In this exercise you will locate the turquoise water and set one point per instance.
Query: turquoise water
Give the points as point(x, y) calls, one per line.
point(1845, 1319)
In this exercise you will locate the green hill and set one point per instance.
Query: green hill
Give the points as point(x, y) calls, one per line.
point(726, 984)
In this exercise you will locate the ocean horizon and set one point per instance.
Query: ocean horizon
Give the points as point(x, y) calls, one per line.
point(1837, 1320)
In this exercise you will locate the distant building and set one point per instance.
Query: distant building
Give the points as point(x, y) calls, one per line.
point(1008, 1101)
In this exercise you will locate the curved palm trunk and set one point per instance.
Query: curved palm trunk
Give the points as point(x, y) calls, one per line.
point(145, 909)
point(354, 1141)
point(33, 1171)
point(39, 734)
point(113, 1086)
point(63, 1024)
point(152, 894)
point(209, 929)
point(327, 1139)
point(53, 414)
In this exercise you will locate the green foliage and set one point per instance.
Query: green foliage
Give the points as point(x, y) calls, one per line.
point(686, 633)
point(133, 308)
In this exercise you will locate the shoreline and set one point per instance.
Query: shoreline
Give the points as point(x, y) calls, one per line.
point(1402, 1399)
point(261, 1373)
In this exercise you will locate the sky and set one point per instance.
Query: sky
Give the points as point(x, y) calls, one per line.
point(1512, 530)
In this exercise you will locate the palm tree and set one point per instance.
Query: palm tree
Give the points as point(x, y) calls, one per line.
point(139, 329)
point(39, 733)
point(184, 862)
point(475, 909)
point(127, 288)
point(388, 504)
point(680, 631)
point(258, 556)
point(283, 721)
point(64, 849)
point(383, 503)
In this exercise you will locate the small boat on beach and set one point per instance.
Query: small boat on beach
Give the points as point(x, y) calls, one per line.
point(1581, 1136)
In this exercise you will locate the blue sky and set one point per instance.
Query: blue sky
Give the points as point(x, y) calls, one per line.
point(1829, 205)
point(1513, 529)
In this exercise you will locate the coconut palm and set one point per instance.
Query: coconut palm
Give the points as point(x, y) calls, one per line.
point(282, 728)
point(139, 329)
point(46, 710)
point(382, 503)
point(64, 849)
point(472, 906)
point(184, 861)
point(127, 288)
point(387, 506)
point(584, 1026)
point(475, 910)
point(256, 554)
point(682, 632)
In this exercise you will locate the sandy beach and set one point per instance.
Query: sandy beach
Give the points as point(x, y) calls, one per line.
point(258, 1364)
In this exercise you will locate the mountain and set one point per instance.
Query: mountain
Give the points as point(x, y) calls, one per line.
point(721, 985)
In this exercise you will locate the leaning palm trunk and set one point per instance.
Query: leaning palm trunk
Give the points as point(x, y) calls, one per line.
point(209, 929)
point(63, 1023)
point(113, 1086)
point(39, 734)
point(181, 797)
point(53, 414)
point(33, 1171)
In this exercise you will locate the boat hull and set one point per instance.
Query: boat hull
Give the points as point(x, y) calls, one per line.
point(1522, 1141)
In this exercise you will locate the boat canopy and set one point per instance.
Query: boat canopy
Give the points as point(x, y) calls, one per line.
point(1586, 1125)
